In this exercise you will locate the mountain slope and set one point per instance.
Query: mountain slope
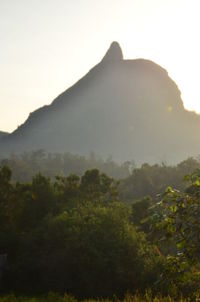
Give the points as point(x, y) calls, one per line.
point(2, 133)
point(130, 109)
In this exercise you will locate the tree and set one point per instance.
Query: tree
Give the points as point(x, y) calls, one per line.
point(90, 251)
point(177, 218)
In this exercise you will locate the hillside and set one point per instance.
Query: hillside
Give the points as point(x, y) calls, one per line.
point(129, 109)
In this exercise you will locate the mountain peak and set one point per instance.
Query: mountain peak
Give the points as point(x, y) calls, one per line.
point(114, 53)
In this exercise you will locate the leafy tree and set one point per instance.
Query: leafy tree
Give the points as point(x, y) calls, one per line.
point(99, 187)
point(141, 212)
point(153, 179)
point(177, 216)
point(5, 184)
point(90, 251)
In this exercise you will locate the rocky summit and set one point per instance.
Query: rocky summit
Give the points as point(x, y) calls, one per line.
point(129, 109)
point(114, 53)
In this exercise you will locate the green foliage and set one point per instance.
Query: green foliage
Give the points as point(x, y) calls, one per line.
point(178, 221)
point(72, 234)
point(89, 251)
point(179, 214)
point(140, 210)
point(5, 186)
point(150, 180)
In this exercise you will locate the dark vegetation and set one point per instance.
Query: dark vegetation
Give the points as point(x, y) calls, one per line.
point(91, 236)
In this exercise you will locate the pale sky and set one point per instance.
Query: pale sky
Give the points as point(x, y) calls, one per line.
point(47, 45)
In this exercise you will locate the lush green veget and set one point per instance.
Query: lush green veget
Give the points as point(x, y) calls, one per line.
point(177, 218)
point(73, 235)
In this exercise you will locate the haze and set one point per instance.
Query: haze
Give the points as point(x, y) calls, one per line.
point(47, 45)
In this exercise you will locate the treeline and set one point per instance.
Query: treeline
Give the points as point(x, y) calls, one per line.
point(24, 166)
point(153, 179)
point(135, 182)
point(74, 234)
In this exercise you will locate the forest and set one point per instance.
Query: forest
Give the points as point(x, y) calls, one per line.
point(83, 228)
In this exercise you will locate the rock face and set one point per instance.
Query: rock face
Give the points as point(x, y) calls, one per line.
point(129, 109)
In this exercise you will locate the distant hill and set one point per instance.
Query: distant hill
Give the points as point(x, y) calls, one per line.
point(129, 109)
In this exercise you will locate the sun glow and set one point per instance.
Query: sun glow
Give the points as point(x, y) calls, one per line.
point(169, 36)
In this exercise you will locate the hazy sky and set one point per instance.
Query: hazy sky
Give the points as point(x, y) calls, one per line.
point(47, 45)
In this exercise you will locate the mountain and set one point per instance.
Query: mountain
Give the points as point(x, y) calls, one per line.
point(129, 109)
point(3, 134)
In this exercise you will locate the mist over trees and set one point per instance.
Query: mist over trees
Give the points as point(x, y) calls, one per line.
point(25, 165)
point(135, 182)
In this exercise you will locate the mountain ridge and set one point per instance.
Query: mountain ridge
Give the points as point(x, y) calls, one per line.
point(111, 110)
point(90, 73)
